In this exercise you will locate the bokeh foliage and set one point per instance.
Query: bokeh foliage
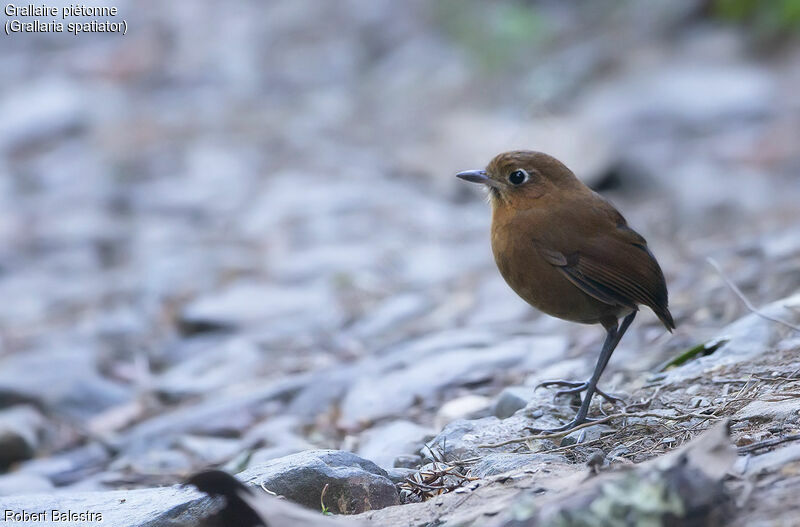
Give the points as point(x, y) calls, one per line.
point(496, 34)
point(767, 18)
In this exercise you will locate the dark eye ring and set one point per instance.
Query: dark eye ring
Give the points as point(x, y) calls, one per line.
point(518, 177)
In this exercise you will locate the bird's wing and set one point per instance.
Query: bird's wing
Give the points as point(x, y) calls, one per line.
point(612, 265)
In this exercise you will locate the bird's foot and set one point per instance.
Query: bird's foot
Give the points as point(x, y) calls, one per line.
point(575, 387)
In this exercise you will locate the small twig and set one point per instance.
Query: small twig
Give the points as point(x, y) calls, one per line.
point(265, 489)
point(646, 403)
point(322, 499)
point(744, 299)
point(425, 486)
point(776, 379)
point(574, 445)
point(767, 443)
point(557, 435)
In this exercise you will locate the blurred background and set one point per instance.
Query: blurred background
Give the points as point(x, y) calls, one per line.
point(234, 233)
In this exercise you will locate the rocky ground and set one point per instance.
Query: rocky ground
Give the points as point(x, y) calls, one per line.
point(233, 239)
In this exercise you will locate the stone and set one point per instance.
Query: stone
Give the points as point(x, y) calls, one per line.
point(500, 463)
point(494, 305)
point(244, 303)
point(465, 407)
point(396, 390)
point(23, 483)
point(281, 430)
point(276, 437)
point(774, 460)
point(160, 507)
point(400, 474)
point(354, 484)
point(69, 466)
point(235, 359)
point(154, 462)
point(462, 439)
point(672, 94)
point(746, 339)
point(20, 431)
point(65, 381)
point(219, 414)
point(323, 392)
point(260, 456)
point(37, 112)
point(389, 315)
point(786, 411)
point(383, 444)
point(511, 399)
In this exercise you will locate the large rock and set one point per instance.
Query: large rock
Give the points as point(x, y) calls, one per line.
point(354, 484)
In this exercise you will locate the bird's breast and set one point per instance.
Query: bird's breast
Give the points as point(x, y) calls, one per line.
point(537, 281)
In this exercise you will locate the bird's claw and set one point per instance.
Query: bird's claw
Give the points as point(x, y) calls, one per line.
point(563, 428)
point(559, 382)
point(575, 387)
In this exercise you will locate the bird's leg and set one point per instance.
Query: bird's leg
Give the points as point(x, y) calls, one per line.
point(614, 334)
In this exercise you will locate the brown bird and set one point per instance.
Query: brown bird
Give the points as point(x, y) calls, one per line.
point(569, 253)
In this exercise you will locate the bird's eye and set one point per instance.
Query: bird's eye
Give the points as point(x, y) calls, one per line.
point(518, 177)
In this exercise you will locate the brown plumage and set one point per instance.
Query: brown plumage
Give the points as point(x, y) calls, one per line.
point(568, 252)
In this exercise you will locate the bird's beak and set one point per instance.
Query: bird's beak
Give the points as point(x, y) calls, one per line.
point(474, 176)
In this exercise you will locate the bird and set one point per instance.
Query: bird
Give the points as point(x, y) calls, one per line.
point(245, 508)
point(568, 252)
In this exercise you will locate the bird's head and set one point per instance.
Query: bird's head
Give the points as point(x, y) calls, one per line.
point(520, 177)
